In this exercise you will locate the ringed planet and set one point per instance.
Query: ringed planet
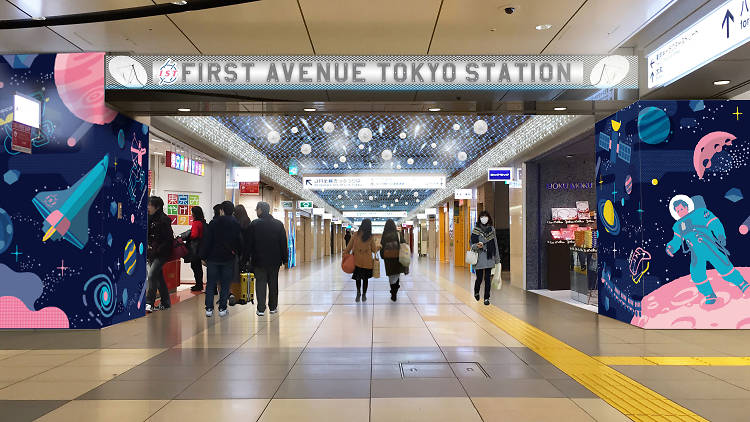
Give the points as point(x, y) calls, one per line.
point(609, 218)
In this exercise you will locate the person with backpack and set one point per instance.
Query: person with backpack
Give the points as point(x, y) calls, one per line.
point(390, 244)
point(362, 245)
point(221, 245)
point(196, 235)
point(240, 214)
point(484, 243)
point(160, 243)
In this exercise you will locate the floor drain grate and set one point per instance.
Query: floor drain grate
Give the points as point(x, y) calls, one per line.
point(442, 370)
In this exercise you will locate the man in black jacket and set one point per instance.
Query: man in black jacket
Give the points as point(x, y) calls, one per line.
point(221, 244)
point(268, 251)
point(160, 242)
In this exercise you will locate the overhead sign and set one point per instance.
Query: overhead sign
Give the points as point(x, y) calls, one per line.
point(318, 211)
point(715, 34)
point(179, 162)
point(430, 211)
point(421, 216)
point(304, 205)
point(327, 216)
point(245, 174)
point(463, 193)
point(356, 182)
point(287, 205)
point(499, 174)
point(375, 214)
point(371, 72)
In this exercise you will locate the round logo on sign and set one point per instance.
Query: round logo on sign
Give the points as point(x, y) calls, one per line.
point(609, 71)
point(127, 72)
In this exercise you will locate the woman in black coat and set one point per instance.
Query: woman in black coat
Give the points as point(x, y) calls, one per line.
point(391, 245)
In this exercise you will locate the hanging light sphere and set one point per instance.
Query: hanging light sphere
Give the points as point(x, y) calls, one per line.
point(294, 129)
point(370, 198)
point(416, 194)
point(336, 165)
point(274, 137)
point(433, 145)
point(462, 156)
point(365, 134)
point(386, 155)
point(361, 146)
point(480, 127)
point(342, 158)
point(456, 126)
point(328, 127)
point(410, 161)
point(402, 135)
point(305, 149)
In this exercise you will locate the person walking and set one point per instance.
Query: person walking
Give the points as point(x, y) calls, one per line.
point(268, 250)
point(390, 243)
point(362, 245)
point(160, 242)
point(347, 237)
point(484, 242)
point(221, 245)
point(196, 236)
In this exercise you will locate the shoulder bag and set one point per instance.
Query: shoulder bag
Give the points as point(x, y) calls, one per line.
point(404, 255)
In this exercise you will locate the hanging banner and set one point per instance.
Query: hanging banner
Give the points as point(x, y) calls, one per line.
point(528, 72)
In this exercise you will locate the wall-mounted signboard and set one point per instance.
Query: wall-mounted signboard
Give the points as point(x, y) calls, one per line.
point(463, 193)
point(184, 163)
point(499, 174)
point(287, 205)
point(371, 73)
point(304, 205)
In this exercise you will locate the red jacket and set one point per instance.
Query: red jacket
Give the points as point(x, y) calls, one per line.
point(196, 229)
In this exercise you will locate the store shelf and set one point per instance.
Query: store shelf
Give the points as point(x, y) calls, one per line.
point(571, 221)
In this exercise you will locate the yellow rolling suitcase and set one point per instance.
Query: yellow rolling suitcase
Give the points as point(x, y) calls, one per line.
point(247, 288)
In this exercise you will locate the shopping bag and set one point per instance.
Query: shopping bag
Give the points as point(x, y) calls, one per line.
point(179, 250)
point(404, 255)
point(471, 257)
point(375, 268)
point(497, 281)
point(347, 263)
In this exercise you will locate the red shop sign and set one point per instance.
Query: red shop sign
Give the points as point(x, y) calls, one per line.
point(249, 188)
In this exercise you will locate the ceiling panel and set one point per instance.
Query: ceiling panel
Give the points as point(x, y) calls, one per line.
point(594, 30)
point(370, 27)
point(153, 35)
point(483, 27)
point(29, 40)
point(264, 27)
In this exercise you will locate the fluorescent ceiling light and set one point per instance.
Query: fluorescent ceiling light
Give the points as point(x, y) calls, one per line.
point(180, 2)
point(722, 82)
point(544, 27)
point(157, 140)
point(158, 153)
point(561, 108)
point(39, 18)
point(310, 109)
point(434, 109)
point(183, 109)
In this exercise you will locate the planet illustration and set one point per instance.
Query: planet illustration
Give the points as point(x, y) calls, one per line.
point(628, 184)
point(653, 125)
point(129, 257)
point(121, 139)
point(609, 218)
point(6, 230)
point(706, 148)
point(79, 79)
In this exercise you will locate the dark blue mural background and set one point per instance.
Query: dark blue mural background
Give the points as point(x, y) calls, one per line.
point(659, 170)
point(102, 283)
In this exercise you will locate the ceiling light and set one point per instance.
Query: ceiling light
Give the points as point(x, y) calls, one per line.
point(183, 109)
point(722, 82)
point(180, 2)
point(402, 135)
point(561, 108)
point(157, 140)
point(544, 27)
point(569, 156)
point(310, 109)
point(158, 153)
point(39, 18)
point(434, 109)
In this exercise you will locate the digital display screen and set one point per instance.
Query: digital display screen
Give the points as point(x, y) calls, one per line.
point(27, 111)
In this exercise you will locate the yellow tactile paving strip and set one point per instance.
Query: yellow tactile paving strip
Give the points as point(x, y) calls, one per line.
point(634, 400)
point(674, 360)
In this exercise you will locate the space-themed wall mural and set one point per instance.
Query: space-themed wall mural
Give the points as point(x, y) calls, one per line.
point(73, 210)
point(673, 220)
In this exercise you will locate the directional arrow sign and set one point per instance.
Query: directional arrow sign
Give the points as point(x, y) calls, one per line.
point(726, 21)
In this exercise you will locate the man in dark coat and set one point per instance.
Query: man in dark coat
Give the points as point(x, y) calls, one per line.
point(268, 251)
point(160, 242)
point(222, 244)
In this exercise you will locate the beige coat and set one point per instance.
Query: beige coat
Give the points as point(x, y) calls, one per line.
point(362, 251)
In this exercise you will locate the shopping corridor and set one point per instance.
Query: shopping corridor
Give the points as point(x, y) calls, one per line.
point(435, 355)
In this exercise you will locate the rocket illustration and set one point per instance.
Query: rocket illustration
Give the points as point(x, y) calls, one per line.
point(66, 212)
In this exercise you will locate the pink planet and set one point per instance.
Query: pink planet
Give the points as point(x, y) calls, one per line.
point(14, 314)
point(678, 305)
point(706, 148)
point(79, 78)
point(72, 142)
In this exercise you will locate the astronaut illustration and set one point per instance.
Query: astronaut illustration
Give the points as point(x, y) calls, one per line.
point(700, 232)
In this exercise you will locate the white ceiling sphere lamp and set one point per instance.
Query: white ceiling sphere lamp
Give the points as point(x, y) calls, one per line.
point(329, 127)
point(417, 201)
point(410, 161)
point(433, 145)
point(370, 198)
point(336, 165)
point(434, 163)
point(342, 158)
point(480, 127)
point(462, 156)
point(294, 129)
point(402, 135)
point(361, 146)
point(339, 196)
point(386, 155)
point(456, 126)
point(273, 137)
point(365, 134)
point(305, 149)
point(398, 166)
point(416, 194)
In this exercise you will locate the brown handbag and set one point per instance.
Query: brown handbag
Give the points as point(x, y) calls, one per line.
point(347, 263)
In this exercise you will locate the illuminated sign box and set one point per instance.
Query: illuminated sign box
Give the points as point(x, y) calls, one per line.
point(463, 193)
point(183, 163)
point(499, 174)
point(356, 182)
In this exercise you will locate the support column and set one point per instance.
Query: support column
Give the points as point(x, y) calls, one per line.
point(326, 237)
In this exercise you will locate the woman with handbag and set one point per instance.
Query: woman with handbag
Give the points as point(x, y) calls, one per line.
point(484, 243)
point(362, 245)
point(160, 243)
point(196, 234)
point(390, 248)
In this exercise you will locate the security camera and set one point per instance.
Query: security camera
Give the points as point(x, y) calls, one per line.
point(510, 10)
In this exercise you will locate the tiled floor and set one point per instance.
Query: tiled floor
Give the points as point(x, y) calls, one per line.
point(435, 355)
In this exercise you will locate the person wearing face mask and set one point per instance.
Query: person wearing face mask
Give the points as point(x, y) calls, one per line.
point(484, 243)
